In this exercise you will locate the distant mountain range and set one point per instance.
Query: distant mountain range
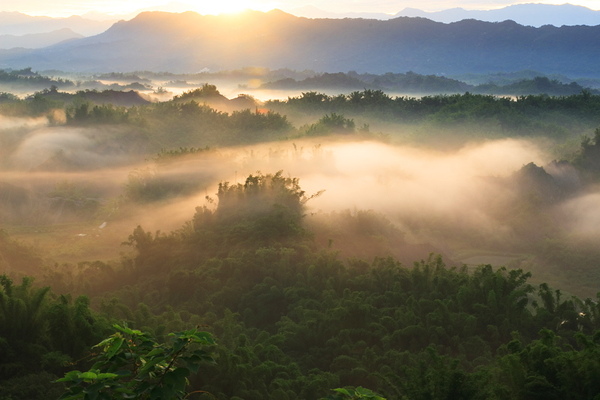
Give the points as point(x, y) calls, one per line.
point(16, 29)
point(189, 42)
point(524, 14)
point(37, 40)
point(18, 24)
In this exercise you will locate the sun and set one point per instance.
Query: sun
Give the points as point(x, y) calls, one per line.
point(225, 7)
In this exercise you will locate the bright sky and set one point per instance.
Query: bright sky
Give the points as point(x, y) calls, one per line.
point(63, 8)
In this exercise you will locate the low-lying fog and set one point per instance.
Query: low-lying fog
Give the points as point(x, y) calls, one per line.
point(454, 200)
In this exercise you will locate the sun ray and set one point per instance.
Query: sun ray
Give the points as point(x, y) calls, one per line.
point(225, 7)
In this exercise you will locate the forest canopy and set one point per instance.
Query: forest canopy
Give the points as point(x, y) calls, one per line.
point(241, 235)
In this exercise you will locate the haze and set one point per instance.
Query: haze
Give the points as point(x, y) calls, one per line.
point(63, 8)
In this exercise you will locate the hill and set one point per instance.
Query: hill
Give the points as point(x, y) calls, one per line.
point(531, 14)
point(37, 40)
point(189, 42)
point(524, 14)
point(16, 23)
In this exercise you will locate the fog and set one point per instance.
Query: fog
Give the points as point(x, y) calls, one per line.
point(582, 216)
point(463, 201)
point(8, 123)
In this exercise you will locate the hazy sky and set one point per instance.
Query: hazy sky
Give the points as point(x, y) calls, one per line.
point(58, 8)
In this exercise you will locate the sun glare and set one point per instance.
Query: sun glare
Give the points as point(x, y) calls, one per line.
point(226, 7)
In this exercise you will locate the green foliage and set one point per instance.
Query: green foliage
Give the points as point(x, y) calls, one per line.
point(550, 367)
point(88, 114)
point(331, 123)
point(27, 77)
point(40, 334)
point(296, 320)
point(30, 386)
point(132, 364)
point(262, 209)
point(589, 157)
point(6, 97)
point(38, 104)
point(353, 394)
point(207, 91)
point(531, 114)
point(257, 124)
point(21, 317)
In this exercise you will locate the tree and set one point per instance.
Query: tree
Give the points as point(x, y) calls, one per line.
point(332, 123)
point(130, 364)
point(354, 394)
point(263, 207)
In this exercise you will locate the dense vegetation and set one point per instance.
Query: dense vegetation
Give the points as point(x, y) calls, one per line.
point(293, 321)
point(411, 82)
point(515, 84)
point(299, 302)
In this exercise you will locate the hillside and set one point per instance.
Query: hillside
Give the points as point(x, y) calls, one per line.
point(531, 14)
point(525, 14)
point(189, 42)
point(37, 40)
point(320, 273)
point(16, 23)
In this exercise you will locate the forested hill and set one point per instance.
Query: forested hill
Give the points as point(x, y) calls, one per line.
point(189, 42)
point(300, 297)
point(294, 321)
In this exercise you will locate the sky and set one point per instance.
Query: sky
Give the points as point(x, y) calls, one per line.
point(64, 8)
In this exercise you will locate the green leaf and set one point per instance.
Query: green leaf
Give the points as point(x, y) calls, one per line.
point(129, 331)
point(107, 375)
point(156, 351)
point(106, 341)
point(195, 336)
point(364, 392)
point(114, 347)
point(88, 376)
point(343, 391)
point(70, 376)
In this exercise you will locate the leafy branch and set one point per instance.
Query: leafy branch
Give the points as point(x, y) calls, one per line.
point(131, 364)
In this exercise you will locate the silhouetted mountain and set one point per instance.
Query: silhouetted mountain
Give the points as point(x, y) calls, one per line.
point(15, 23)
point(310, 11)
point(524, 14)
point(189, 42)
point(37, 40)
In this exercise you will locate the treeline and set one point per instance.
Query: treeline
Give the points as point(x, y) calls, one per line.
point(523, 83)
point(293, 320)
point(411, 82)
point(193, 119)
point(452, 108)
point(186, 121)
point(26, 79)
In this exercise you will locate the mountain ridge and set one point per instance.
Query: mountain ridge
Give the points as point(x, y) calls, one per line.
point(18, 24)
point(529, 14)
point(190, 42)
point(37, 40)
